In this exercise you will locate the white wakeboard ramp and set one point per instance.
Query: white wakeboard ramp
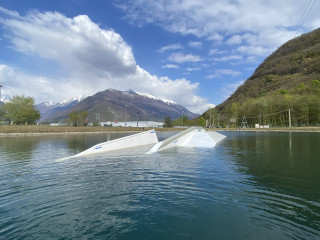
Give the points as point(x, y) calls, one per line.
point(191, 137)
point(135, 140)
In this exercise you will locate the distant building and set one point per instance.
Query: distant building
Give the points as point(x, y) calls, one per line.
point(58, 124)
point(133, 124)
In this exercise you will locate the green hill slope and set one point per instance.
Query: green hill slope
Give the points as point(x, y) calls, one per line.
point(287, 79)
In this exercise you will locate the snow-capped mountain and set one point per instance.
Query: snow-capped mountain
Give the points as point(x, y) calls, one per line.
point(112, 104)
point(71, 101)
point(48, 107)
point(148, 95)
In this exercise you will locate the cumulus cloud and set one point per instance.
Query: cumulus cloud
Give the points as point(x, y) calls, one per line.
point(228, 58)
point(270, 23)
point(91, 59)
point(190, 69)
point(195, 44)
point(236, 39)
point(220, 72)
point(180, 57)
point(40, 87)
point(170, 66)
point(216, 51)
point(170, 47)
point(230, 88)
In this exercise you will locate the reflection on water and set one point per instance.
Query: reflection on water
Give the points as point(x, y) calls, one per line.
point(18, 147)
point(283, 169)
point(250, 186)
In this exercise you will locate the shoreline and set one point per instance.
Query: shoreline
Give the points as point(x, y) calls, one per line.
point(33, 130)
point(276, 129)
point(41, 130)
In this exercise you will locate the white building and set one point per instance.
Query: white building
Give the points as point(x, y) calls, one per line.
point(146, 124)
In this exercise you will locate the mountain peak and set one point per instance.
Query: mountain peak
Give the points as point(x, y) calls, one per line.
point(131, 91)
point(74, 99)
point(148, 95)
point(113, 104)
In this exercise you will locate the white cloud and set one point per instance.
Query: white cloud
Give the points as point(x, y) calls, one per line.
point(91, 59)
point(216, 51)
point(268, 23)
point(170, 66)
point(220, 72)
point(253, 50)
point(235, 39)
point(190, 69)
point(228, 58)
point(215, 37)
point(195, 44)
point(252, 59)
point(229, 89)
point(182, 58)
point(77, 44)
point(18, 83)
point(170, 47)
point(10, 13)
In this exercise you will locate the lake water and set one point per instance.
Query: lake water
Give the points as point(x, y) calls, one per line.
point(250, 186)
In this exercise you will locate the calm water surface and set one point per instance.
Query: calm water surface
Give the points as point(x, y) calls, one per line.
point(250, 186)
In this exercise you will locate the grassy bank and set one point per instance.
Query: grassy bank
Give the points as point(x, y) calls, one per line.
point(6, 130)
point(276, 129)
point(42, 129)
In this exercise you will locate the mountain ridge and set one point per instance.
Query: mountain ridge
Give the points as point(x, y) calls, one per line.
point(112, 104)
point(287, 79)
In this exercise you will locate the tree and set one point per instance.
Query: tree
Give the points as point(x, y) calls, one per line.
point(83, 118)
point(167, 122)
point(201, 121)
point(181, 121)
point(78, 117)
point(2, 112)
point(315, 83)
point(21, 110)
point(74, 118)
point(315, 86)
point(234, 110)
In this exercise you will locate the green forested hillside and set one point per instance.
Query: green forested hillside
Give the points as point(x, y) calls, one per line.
point(288, 79)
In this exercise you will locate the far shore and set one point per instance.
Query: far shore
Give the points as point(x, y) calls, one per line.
point(36, 130)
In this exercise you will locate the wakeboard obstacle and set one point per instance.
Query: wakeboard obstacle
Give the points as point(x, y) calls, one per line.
point(135, 140)
point(196, 137)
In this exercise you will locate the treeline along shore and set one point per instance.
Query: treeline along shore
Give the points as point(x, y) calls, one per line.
point(17, 130)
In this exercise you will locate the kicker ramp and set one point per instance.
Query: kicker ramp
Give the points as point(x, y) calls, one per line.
point(191, 137)
point(135, 140)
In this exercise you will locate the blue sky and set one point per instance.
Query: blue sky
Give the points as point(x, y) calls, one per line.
point(194, 52)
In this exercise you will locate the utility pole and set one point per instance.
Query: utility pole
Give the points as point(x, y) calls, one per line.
point(289, 118)
point(259, 119)
point(125, 115)
point(182, 117)
point(210, 122)
point(0, 90)
point(137, 119)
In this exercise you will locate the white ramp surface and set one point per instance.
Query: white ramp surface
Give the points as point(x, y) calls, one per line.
point(135, 140)
point(192, 137)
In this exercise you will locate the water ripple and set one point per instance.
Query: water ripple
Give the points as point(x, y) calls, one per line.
point(175, 194)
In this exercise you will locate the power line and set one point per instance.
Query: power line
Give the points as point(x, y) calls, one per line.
point(303, 18)
point(274, 113)
point(265, 115)
point(295, 30)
